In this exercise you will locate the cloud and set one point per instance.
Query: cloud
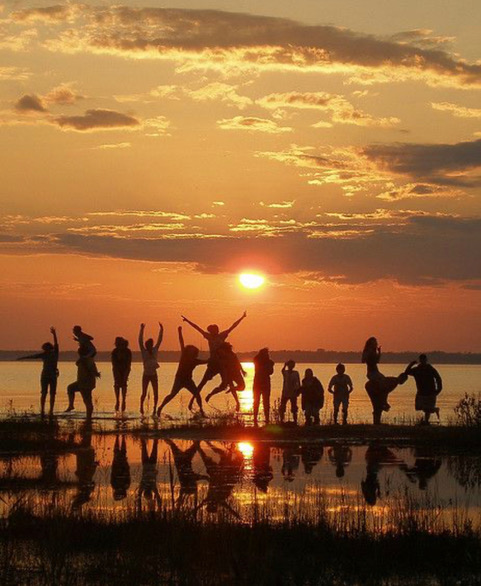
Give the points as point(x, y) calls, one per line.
point(118, 145)
point(456, 110)
point(423, 38)
point(30, 103)
point(63, 94)
point(97, 119)
point(417, 190)
point(340, 109)
point(252, 124)
point(47, 14)
point(14, 73)
point(219, 40)
point(444, 164)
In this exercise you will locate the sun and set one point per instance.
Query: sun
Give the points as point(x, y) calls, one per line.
point(251, 280)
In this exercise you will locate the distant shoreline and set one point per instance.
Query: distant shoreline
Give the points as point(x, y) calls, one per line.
point(280, 356)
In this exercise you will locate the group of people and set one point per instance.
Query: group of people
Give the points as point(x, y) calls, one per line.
point(223, 362)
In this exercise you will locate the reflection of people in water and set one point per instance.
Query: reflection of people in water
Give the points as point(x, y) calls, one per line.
point(261, 464)
point(223, 476)
point(311, 454)
point(428, 383)
point(187, 477)
point(49, 466)
point(86, 467)
point(48, 378)
point(340, 454)
point(120, 472)
point(426, 465)
point(378, 386)
point(232, 374)
point(290, 462)
point(261, 387)
point(121, 359)
point(377, 456)
point(148, 482)
point(189, 359)
point(215, 338)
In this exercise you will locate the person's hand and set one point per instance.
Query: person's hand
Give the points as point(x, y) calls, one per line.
point(183, 318)
point(52, 330)
point(98, 375)
point(244, 314)
point(142, 326)
point(161, 326)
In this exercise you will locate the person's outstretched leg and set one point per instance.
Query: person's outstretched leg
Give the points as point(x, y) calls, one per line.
point(53, 394)
point(155, 390)
point(192, 387)
point(87, 399)
point(222, 387)
point(176, 387)
point(145, 385)
point(71, 390)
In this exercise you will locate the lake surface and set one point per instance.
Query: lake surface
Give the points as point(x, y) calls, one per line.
point(111, 474)
point(19, 389)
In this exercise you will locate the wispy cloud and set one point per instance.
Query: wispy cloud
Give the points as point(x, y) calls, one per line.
point(252, 124)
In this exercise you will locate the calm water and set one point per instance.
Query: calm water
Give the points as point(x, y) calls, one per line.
point(119, 473)
point(19, 387)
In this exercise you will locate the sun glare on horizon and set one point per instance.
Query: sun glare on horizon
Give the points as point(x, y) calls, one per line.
point(251, 280)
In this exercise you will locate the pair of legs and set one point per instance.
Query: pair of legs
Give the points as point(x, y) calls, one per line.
point(311, 413)
point(120, 389)
point(212, 370)
point(378, 391)
point(426, 404)
point(47, 384)
point(264, 393)
point(338, 401)
point(154, 381)
point(230, 386)
point(283, 405)
point(179, 384)
point(86, 397)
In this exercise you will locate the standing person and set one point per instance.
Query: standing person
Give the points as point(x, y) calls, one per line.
point(48, 378)
point(183, 378)
point(341, 387)
point(290, 390)
point(214, 338)
point(85, 340)
point(121, 359)
point(264, 367)
point(429, 384)
point(86, 382)
point(150, 352)
point(312, 393)
point(371, 356)
point(232, 374)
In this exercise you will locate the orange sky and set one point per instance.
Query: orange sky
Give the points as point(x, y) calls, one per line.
point(149, 155)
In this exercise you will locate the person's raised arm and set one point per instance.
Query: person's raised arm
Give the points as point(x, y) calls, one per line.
point(410, 368)
point(193, 325)
point(236, 323)
point(160, 336)
point(141, 336)
point(181, 338)
point(55, 339)
point(284, 368)
point(32, 357)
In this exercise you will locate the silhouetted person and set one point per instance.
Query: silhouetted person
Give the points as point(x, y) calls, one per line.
point(426, 466)
point(341, 387)
point(263, 369)
point(232, 374)
point(290, 462)
point(290, 390)
point(428, 383)
point(148, 483)
point(215, 338)
point(86, 382)
point(189, 359)
point(86, 467)
point(378, 386)
point(150, 352)
point(311, 454)
point(312, 397)
point(84, 340)
point(187, 477)
point(261, 464)
point(223, 476)
point(48, 378)
point(120, 471)
point(340, 455)
point(121, 359)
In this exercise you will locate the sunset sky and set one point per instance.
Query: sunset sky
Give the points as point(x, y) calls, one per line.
point(149, 155)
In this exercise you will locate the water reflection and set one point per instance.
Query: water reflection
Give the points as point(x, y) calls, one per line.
point(118, 472)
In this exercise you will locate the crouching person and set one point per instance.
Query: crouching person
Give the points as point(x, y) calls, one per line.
point(86, 382)
point(312, 397)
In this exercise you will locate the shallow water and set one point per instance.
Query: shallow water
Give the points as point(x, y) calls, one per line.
point(111, 474)
point(19, 389)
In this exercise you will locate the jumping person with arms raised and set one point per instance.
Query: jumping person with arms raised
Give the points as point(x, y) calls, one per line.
point(150, 352)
